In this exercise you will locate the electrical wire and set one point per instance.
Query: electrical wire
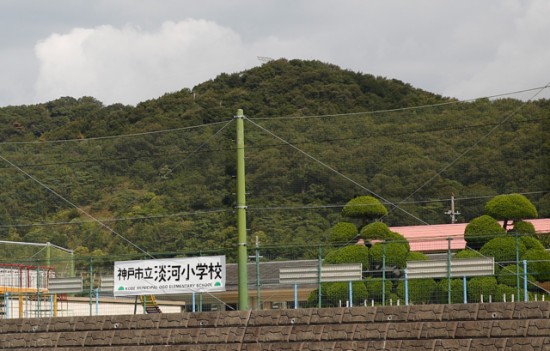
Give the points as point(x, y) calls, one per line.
point(250, 208)
point(476, 143)
point(363, 136)
point(42, 142)
point(332, 169)
point(382, 111)
point(75, 206)
point(400, 109)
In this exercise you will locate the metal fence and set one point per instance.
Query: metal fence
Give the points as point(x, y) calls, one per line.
point(389, 274)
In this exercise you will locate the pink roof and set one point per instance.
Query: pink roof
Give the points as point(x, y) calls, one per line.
point(428, 238)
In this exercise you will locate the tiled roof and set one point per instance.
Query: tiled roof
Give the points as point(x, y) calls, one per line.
point(433, 238)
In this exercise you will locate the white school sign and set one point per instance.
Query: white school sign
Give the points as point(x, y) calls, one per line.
point(169, 276)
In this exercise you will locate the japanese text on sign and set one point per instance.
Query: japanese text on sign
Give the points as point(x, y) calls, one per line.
point(170, 276)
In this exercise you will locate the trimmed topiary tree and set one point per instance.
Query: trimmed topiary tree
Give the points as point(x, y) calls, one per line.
point(420, 290)
point(510, 207)
point(480, 230)
point(374, 288)
point(531, 242)
point(504, 292)
point(349, 254)
point(416, 256)
point(457, 291)
point(337, 293)
point(375, 231)
point(396, 255)
point(378, 231)
point(467, 253)
point(508, 276)
point(524, 228)
point(365, 208)
point(538, 264)
point(478, 286)
point(343, 232)
point(503, 249)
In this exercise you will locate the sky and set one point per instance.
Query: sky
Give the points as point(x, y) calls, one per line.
point(128, 51)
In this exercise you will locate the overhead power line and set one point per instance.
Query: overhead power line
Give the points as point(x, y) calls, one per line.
point(41, 142)
point(333, 170)
point(475, 144)
point(400, 109)
point(260, 146)
point(75, 206)
point(347, 114)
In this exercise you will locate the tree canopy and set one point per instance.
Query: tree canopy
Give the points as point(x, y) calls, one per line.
point(161, 173)
point(510, 207)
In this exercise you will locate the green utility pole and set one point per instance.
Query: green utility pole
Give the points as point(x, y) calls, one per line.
point(258, 285)
point(48, 254)
point(449, 295)
point(241, 215)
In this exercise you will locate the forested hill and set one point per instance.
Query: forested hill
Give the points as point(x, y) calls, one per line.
point(161, 174)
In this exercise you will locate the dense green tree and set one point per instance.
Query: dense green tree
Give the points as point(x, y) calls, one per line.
point(343, 232)
point(420, 290)
point(467, 253)
point(349, 254)
point(457, 291)
point(337, 294)
point(508, 276)
point(374, 288)
point(364, 208)
point(538, 264)
point(395, 253)
point(480, 230)
point(523, 228)
point(504, 293)
point(481, 286)
point(510, 207)
point(161, 173)
point(503, 249)
point(416, 256)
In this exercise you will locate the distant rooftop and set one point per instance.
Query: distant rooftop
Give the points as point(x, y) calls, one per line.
point(433, 238)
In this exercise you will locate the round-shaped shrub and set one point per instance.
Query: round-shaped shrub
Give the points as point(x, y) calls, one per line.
point(374, 288)
point(508, 276)
point(343, 232)
point(365, 207)
point(504, 293)
point(524, 228)
point(510, 206)
point(503, 249)
point(337, 293)
point(420, 290)
point(349, 254)
point(538, 264)
point(379, 231)
point(457, 291)
point(396, 255)
point(375, 231)
point(467, 253)
point(479, 286)
point(416, 256)
point(480, 230)
point(531, 242)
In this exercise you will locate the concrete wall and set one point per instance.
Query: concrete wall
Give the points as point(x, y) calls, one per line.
point(497, 326)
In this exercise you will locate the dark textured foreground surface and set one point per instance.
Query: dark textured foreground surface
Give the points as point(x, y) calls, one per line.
point(496, 326)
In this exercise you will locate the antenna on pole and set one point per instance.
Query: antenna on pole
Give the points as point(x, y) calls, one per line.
point(264, 59)
point(452, 211)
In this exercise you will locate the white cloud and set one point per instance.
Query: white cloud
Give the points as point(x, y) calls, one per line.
point(129, 64)
point(519, 59)
point(462, 49)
